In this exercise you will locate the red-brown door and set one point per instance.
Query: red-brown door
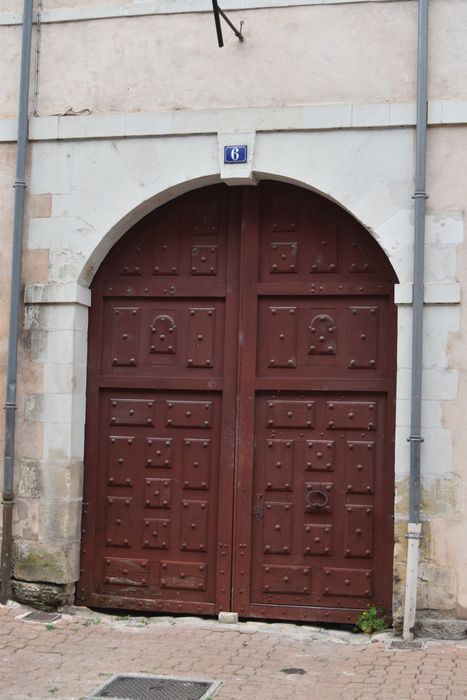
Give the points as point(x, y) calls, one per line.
point(239, 451)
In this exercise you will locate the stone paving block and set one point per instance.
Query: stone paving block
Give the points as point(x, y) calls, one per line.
point(79, 652)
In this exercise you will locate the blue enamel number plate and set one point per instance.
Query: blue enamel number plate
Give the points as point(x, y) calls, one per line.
point(235, 154)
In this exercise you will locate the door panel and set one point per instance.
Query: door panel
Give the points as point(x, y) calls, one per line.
point(314, 521)
point(239, 451)
point(161, 412)
point(326, 335)
point(315, 485)
point(168, 338)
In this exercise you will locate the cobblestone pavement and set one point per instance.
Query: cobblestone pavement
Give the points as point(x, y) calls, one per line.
point(71, 658)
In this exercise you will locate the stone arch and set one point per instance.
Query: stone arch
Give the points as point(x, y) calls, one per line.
point(161, 197)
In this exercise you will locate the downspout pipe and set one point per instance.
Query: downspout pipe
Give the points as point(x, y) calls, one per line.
point(15, 291)
point(415, 439)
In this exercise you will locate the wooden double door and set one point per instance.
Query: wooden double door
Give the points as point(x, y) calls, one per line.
point(239, 434)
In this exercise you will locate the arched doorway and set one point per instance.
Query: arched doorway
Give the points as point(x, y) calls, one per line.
point(240, 421)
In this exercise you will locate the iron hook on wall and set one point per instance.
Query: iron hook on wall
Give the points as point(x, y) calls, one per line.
point(218, 13)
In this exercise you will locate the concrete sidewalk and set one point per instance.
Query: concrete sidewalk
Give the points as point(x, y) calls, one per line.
point(71, 658)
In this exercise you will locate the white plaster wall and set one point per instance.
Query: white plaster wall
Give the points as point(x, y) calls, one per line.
point(292, 55)
point(71, 9)
point(447, 183)
point(297, 54)
point(10, 41)
point(332, 52)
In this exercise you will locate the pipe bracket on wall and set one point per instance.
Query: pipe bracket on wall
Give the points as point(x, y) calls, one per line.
point(218, 13)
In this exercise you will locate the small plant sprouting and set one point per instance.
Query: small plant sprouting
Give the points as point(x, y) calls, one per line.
point(371, 621)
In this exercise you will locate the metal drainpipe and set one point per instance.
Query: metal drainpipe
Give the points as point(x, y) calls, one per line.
point(15, 289)
point(420, 196)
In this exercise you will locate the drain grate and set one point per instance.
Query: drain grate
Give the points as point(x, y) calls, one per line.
point(154, 688)
point(41, 616)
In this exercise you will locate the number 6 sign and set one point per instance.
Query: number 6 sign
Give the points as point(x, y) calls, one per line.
point(235, 154)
